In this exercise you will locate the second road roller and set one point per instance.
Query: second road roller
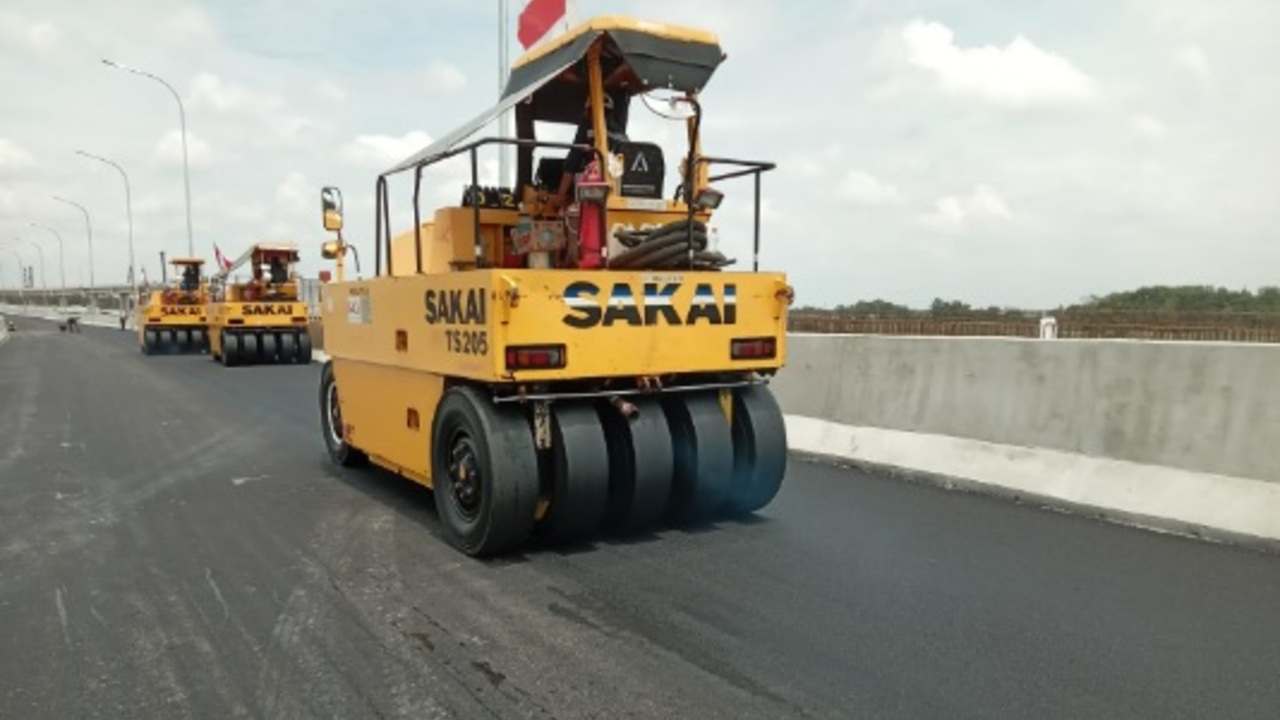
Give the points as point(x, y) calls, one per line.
point(262, 319)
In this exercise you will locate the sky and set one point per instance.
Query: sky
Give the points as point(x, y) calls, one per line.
point(1003, 152)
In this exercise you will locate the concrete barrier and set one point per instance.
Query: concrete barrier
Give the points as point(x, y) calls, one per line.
point(1141, 431)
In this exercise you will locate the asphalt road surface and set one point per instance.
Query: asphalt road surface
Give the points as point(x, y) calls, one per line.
point(174, 543)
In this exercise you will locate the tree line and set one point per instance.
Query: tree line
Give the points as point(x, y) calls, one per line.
point(1164, 299)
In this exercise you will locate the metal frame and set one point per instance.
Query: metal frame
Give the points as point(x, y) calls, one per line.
point(756, 169)
point(629, 392)
point(382, 213)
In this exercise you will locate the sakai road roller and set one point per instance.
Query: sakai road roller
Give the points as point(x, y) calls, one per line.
point(173, 319)
point(261, 320)
point(568, 356)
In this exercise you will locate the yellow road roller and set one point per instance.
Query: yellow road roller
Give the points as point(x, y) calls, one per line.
point(569, 356)
point(173, 319)
point(260, 320)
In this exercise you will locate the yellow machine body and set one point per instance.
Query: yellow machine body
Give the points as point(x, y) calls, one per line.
point(396, 342)
point(263, 311)
point(175, 316)
point(570, 353)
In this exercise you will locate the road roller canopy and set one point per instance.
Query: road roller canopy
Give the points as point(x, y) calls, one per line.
point(550, 81)
point(269, 261)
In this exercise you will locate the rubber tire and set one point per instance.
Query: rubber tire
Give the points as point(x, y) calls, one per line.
point(641, 466)
point(150, 339)
point(759, 449)
point(288, 348)
point(249, 349)
point(340, 452)
point(579, 474)
point(703, 446)
point(168, 343)
point(199, 341)
point(304, 348)
point(507, 459)
point(268, 341)
point(183, 340)
point(230, 349)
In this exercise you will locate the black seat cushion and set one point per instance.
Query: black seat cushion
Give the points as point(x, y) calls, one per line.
point(643, 169)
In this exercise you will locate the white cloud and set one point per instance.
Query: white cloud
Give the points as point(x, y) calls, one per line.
point(866, 189)
point(169, 149)
point(212, 92)
point(330, 91)
point(1018, 74)
point(953, 212)
point(1148, 127)
point(444, 78)
point(1194, 60)
point(294, 192)
point(381, 150)
point(43, 35)
point(13, 156)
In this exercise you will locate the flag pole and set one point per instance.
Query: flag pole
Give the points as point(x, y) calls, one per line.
point(504, 62)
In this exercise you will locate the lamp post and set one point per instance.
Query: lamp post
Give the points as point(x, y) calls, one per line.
point(44, 280)
point(128, 209)
point(182, 120)
point(22, 273)
point(88, 227)
point(62, 267)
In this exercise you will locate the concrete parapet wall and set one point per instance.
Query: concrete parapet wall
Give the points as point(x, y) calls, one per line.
point(1206, 407)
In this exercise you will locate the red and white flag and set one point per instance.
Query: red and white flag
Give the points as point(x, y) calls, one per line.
point(537, 18)
point(223, 263)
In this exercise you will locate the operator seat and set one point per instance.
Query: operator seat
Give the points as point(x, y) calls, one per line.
point(643, 169)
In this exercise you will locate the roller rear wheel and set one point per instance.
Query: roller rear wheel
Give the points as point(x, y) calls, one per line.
point(249, 349)
point(304, 348)
point(641, 464)
point(168, 340)
point(288, 348)
point(703, 448)
point(484, 469)
point(183, 340)
point(199, 340)
point(579, 473)
point(230, 349)
point(759, 449)
point(331, 424)
point(150, 339)
point(268, 347)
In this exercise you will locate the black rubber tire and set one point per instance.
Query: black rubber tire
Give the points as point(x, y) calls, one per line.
point(641, 465)
point(268, 341)
point(304, 348)
point(182, 339)
point(703, 446)
point(150, 339)
point(288, 347)
point(579, 474)
point(199, 341)
point(759, 449)
point(168, 341)
point(507, 465)
point(230, 349)
point(249, 349)
point(340, 452)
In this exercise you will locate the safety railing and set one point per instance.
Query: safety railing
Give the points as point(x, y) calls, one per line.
point(382, 215)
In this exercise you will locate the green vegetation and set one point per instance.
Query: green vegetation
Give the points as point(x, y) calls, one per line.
point(1186, 299)
point(1165, 299)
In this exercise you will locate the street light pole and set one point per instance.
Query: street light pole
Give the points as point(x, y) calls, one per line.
point(62, 267)
point(44, 279)
point(128, 210)
point(182, 120)
point(88, 226)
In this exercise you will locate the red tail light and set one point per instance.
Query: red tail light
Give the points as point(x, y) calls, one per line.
point(753, 348)
point(535, 357)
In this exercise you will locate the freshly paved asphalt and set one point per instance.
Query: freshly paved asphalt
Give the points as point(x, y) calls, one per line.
point(174, 543)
